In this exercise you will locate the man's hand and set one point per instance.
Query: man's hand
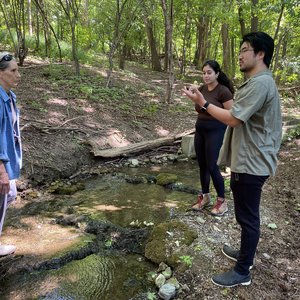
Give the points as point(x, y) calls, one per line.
point(4, 183)
point(194, 94)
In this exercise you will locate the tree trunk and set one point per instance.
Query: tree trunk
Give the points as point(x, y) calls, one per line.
point(71, 9)
point(276, 54)
point(155, 62)
point(226, 48)
point(233, 58)
point(30, 18)
point(45, 18)
point(201, 41)
point(168, 16)
point(186, 37)
point(37, 31)
point(166, 22)
point(241, 18)
point(254, 17)
point(122, 57)
point(75, 49)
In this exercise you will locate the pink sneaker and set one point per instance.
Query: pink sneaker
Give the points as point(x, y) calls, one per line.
point(220, 207)
point(202, 201)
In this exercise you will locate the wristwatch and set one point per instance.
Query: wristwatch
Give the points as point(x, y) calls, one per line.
point(204, 107)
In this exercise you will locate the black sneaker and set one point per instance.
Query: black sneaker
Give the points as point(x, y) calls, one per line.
point(232, 253)
point(231, 279)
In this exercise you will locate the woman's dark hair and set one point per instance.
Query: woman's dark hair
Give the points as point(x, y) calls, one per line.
point(222, 78)
point(260, 41)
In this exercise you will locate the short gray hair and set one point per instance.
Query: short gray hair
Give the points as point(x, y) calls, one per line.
point(5, 58)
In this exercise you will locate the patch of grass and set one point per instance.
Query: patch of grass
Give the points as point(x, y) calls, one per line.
point(86, 86)
point(151, 109)
point(177, 108)
point(39, 104)
point(227, 183)
point(293, 133)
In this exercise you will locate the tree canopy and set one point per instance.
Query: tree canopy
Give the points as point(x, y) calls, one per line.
point(163, 34)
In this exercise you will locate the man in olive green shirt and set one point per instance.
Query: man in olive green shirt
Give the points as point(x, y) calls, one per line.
point(250, 147)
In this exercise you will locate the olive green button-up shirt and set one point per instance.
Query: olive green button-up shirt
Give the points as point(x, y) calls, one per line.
point(252, 147)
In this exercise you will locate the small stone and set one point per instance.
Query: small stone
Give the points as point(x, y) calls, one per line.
point(174, 282)
point(200, 220)
point(167, 273)
point(160, 280)
point(134, 162)
point(266, 256)
point(162, 266)
point(167, 291)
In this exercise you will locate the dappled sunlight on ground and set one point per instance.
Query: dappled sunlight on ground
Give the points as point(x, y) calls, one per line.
point(108, 208)
point(58, 101)
point(117, 139)
point(161, 131)
point(42, 238)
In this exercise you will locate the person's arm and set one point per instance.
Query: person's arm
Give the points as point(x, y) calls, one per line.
point(228, 104)
point(4, 180)
point(222, 114)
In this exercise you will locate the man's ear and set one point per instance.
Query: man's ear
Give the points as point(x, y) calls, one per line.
point(261, 54)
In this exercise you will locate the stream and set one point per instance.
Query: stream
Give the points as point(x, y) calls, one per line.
point(106, 275)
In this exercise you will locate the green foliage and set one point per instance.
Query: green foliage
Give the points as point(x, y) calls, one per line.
point(227, 183)
point(293, 133)
point(87, 86)
point(151, 109)
point(108, 243)
point(102, 24)
point(39, 104)
point(187, 260)
point(151, 296)
point(198, 248)
point(289, 74)
point(180, 108)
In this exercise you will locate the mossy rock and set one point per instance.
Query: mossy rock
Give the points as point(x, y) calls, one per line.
point(166, 178)
point(61, 188)
point(164, 238)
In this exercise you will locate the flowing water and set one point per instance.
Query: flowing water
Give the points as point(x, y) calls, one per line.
point(109, 277)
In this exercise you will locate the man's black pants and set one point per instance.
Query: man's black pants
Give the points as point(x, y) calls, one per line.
point(246, 191)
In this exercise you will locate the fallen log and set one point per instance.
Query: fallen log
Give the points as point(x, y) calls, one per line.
point(137, 147)
point(134, 148)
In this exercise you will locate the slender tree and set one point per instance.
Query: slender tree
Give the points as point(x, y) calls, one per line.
point(168, 17)
point(45, 18)
point(71, 10)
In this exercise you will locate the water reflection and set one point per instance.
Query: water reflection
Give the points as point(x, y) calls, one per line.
point(121, 203)
point(97, 277)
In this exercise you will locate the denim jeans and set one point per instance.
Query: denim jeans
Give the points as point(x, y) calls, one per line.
point(5, 200)
point(246, 191)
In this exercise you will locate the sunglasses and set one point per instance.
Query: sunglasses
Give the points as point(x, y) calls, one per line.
point(6, 57)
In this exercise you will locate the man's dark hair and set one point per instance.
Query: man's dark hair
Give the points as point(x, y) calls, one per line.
point(260, 41)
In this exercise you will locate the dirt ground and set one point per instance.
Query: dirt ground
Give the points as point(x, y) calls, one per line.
point(58, 124)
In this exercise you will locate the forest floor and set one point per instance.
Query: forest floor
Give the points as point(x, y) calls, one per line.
point(61, 114)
